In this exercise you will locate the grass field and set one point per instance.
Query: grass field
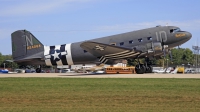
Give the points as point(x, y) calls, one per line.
point(106, 94)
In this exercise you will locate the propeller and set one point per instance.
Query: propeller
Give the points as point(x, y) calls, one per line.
point(170, 54)
point(179, 47)
point(163, 47)
point(152, 46)
point(164, 50)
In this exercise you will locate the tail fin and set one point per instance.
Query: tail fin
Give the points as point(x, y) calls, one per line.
point(26, 46)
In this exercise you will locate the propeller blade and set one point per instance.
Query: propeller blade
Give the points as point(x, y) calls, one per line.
point(163, 47)
point(164, 51)
point(170, 54)
point(152, 46)
point(162, 43)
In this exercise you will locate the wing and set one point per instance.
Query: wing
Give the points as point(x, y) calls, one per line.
point(105, 51)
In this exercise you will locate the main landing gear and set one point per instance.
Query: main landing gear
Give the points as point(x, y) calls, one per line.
point(38, 70)
point(144, 68)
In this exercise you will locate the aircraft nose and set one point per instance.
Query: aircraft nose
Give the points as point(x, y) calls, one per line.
point(188, 35)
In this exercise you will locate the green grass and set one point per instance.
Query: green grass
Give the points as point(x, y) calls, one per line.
point(109, 94)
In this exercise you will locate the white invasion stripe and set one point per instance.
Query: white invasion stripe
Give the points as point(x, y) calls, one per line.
point(101, 58)
point(47, 56)
point(48, 62)
point(46, 50)
point(57, 47)
point(59, 62)
point(105, 61)
point(69, 55)
point(124, 56)
point(117, 53)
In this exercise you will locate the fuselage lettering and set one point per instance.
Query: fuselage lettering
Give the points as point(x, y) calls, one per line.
point(161, 36)
point(33, 46)
point(29, 40)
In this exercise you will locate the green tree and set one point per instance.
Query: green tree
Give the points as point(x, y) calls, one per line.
point(7, 59)
point(131, 62)
point(182, 56)
point(159, 62)
point(1, 58)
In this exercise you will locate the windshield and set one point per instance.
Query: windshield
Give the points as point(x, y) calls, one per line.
point(175, 30)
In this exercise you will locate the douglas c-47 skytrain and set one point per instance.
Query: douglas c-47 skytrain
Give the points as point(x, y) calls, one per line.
point(145, 43)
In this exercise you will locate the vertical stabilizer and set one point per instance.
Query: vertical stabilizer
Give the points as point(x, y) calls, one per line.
point(25, 46)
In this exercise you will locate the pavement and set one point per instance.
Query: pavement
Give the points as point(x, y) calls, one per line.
point(89, 75)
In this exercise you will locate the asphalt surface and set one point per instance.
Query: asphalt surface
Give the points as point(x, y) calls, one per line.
point(88, 75)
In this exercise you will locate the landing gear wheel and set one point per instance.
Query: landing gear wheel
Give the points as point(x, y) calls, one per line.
point(149, 69)
point(38, 70)
point(140, 69)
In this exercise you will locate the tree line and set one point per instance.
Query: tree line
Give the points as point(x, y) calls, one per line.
point(7, 60)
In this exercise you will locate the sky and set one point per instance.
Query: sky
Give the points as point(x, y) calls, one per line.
point(56, 22)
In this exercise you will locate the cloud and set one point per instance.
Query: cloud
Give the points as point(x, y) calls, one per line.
point(33, 7)
point(184, 25)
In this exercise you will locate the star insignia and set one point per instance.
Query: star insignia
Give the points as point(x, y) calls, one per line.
point(56, 55)
point(98, 47)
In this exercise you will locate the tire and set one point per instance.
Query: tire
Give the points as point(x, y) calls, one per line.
point(140, 70)
point(149, 69)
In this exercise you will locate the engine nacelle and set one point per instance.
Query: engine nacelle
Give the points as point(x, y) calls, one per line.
point(149, 48)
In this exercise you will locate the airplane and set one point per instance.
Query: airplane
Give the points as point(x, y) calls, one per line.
point(141, 44)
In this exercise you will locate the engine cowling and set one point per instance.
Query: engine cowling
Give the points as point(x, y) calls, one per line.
point(154, 47)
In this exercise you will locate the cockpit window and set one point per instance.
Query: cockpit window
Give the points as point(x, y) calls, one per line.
point(175, 30)
point(172, 30)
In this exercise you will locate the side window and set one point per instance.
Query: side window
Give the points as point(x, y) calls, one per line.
point(121, 43)
point(114, 44)
point(84, 51)
point(131, 41)
point(149, 38)
point(140, 40)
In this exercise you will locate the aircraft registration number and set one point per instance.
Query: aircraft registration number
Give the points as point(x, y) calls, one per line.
point(33, 46)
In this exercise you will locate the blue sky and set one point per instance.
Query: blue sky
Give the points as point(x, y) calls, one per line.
point(65, 21)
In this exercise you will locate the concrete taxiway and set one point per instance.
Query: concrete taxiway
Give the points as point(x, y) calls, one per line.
point(87, 75)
